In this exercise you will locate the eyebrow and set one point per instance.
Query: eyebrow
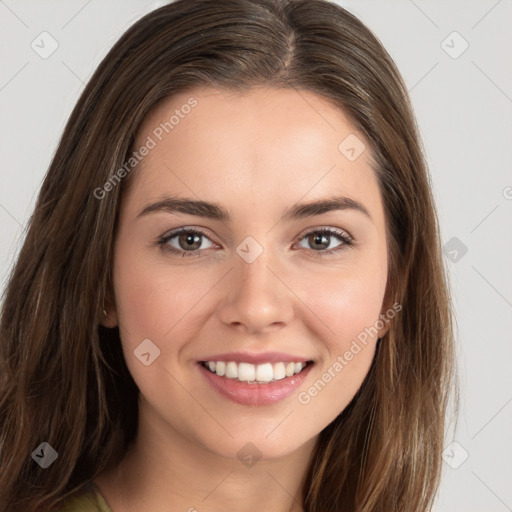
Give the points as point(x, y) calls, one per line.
point(215, 211)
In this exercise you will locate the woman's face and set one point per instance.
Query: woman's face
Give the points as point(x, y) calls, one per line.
point(256, 281)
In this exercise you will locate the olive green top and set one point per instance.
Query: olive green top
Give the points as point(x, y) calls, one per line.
point(86, 499)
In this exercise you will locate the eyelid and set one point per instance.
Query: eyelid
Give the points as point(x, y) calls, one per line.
point(163, 239)
point(346, 239)
point(330, 229)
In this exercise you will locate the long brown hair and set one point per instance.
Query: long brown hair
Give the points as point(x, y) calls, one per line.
point(63, 378)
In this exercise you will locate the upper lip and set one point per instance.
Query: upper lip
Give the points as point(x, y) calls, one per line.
point(255, 358)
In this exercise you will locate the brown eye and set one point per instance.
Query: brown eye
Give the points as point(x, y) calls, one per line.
point(320, 240)
point(188, 242)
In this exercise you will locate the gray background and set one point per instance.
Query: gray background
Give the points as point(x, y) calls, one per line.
point(463, 102)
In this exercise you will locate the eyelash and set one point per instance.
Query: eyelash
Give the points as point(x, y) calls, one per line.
point(341, 235)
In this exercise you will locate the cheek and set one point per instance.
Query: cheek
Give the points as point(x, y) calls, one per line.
point(146, 300)
point(154, 303)
point(349, 308)
point(139, 295)
point(154, 300)
point(347, 302)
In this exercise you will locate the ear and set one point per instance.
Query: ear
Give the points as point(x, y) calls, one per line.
point(389, 310)
point(110, 319)
point(385, 329)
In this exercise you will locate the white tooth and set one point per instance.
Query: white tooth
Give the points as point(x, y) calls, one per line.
point(264, 372)
point(231, 370)
point(246, 372)
point(279, 371)
point(220, 368)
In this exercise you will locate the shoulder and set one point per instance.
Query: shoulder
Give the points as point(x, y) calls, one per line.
point(86, 499)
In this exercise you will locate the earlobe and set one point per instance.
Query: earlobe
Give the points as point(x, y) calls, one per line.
point(383, 324)
point(108, 316)
point(387, 314)
point(383, 331)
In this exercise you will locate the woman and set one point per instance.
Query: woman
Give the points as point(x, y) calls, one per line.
point(231, 294)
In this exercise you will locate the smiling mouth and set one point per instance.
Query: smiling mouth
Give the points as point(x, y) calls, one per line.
point(265, 373)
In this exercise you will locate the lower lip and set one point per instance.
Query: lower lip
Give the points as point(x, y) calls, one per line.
point(255, 394)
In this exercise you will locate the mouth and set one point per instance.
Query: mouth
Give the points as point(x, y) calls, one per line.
point(255, 385)
point(265, 373)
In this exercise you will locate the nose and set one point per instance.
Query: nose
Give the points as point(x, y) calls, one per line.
point(256, 297)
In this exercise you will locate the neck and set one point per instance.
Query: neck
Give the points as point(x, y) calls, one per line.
point(163, 470)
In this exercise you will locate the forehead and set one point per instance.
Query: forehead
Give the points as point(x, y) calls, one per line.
point(265, 143)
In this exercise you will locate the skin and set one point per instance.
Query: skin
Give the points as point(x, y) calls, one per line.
point(255, 154)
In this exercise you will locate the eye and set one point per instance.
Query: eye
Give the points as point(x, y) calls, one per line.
point(188, 240)
point(320, 239)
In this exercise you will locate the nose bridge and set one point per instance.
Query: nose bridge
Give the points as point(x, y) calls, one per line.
point(255, 276)
point(255, 296)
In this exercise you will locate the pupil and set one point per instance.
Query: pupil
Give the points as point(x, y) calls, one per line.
point(318, 239)
point(189, 239)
